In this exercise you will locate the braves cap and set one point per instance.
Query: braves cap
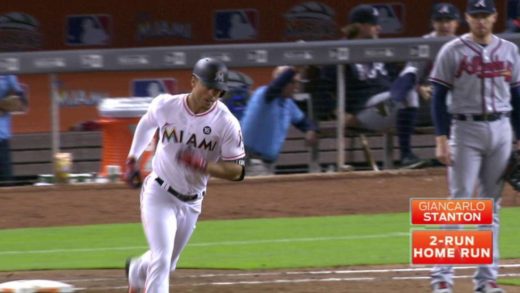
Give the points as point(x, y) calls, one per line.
point(364, 14)
point(442, 11)
point(481, 6)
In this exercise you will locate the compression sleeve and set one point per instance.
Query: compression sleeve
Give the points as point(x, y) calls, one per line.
point(440, 116)
point(275, 87)
point(515, 114)
point(143, 135)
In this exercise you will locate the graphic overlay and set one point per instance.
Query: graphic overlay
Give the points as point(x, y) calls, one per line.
point(454, 245)
point(451, 247)
point(451, 211)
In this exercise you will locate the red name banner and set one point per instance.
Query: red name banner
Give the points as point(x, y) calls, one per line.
point(452, 247)
point(451, 211)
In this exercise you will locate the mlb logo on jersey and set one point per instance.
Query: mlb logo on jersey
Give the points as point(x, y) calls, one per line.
point(153, 87)
point(240, 24)
point(88, 30)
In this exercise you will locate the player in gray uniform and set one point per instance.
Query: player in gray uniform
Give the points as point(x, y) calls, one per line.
point(445, 20)
point(482, 72)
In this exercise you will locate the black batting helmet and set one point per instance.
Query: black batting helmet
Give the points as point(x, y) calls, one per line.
point(213, 73)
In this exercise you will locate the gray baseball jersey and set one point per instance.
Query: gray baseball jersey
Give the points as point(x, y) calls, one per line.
point(479, 78)
point(496, 65)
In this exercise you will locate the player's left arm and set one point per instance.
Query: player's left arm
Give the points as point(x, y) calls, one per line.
point(232, 153)
point(231, 170)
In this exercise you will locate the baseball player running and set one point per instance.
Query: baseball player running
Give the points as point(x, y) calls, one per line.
point(198, 138)
point(482, 72)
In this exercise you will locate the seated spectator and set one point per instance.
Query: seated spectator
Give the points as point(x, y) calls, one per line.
point(374, 96)
point(266, 120)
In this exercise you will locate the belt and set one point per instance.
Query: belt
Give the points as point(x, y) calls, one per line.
point(180, 196)
point(480, 117)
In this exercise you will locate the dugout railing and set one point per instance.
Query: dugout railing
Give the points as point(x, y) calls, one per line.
point(337, 52)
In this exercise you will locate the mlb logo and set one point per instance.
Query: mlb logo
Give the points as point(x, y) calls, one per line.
point(232, 25)
point(88, 30)
point(153, 87)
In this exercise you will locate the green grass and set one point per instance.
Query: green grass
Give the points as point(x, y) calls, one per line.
point(512, 282)
point(237, 244)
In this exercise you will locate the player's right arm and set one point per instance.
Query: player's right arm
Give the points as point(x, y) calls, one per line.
point(442, 77)
point(144, 131)
point(441, 120)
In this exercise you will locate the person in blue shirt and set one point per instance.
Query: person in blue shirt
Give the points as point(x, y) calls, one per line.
point(266, 120)
point(12, 99)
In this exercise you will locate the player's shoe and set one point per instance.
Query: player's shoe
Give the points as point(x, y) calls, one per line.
point(127, 274)
point(489, 287)
point(411, 161)
point(442, 287)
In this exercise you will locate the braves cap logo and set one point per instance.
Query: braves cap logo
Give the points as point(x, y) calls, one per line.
point(375, 12)
point(480, 3)
point(220, 76)
point(444, 9)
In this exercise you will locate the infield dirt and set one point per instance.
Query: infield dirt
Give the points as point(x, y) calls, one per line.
point(279, 196)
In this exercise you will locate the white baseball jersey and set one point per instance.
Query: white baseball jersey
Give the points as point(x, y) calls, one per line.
point(215, 134)
point(478, 76)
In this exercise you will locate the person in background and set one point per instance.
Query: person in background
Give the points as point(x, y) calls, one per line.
point(12, 99)
point(199, 138)
point(267, 117)
point(374, 99)
point(513, 16)
point(445, 21)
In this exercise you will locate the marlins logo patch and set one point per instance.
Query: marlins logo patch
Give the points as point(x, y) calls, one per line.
point(220, 76)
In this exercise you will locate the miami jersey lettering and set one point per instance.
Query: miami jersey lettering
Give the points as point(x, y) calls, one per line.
point(215, 134)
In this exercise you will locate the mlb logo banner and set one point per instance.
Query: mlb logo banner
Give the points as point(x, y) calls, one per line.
point(88, 30)
point(232, 25)
point(153, 87)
